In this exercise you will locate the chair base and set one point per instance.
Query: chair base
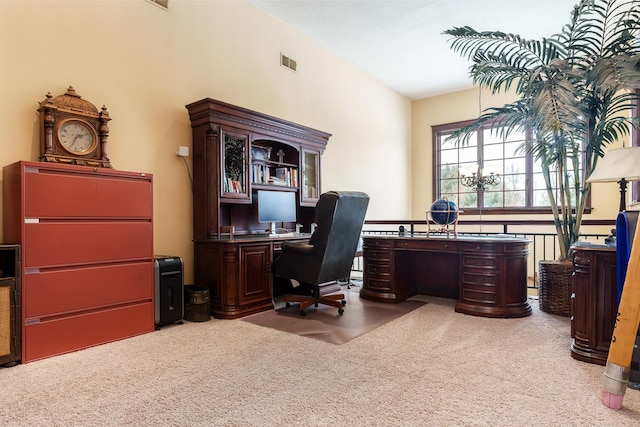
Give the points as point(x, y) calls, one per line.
point(334, 300)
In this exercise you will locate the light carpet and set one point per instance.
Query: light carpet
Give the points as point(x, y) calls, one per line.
point(324, 323)
point(430, 367)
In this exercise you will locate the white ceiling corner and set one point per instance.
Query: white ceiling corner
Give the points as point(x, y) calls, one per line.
point(400, 42)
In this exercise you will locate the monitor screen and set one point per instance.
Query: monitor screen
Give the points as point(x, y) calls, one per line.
point(276, 206)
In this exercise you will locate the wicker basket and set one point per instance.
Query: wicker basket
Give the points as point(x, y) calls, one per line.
point(554, 287)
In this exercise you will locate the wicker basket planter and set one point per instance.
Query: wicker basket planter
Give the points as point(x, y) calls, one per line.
point(554, 287)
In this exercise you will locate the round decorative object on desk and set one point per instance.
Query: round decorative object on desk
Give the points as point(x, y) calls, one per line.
point(443, 212)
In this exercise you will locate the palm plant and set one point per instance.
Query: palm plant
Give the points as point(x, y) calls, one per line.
point(574, 89)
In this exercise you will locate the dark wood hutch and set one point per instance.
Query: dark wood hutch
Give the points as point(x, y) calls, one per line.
point(236, 152)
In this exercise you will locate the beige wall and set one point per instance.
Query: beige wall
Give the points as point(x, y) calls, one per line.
point(466, 105)
point(145, 64)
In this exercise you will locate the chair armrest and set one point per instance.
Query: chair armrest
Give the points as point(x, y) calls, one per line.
point(301, 248)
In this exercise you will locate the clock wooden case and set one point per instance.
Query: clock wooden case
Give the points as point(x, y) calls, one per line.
point(72, 131)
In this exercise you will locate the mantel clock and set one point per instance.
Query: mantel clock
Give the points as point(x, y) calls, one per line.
point(72, 131)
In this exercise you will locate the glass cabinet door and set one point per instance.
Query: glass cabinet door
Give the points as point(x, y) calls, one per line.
point(310, 185)
point(235, 183)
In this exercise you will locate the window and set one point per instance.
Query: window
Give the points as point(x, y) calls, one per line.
point(521, 188)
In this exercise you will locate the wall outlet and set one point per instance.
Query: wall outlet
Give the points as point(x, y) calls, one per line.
point(182, 151)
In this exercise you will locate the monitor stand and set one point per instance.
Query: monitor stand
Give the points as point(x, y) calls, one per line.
point(272, 229)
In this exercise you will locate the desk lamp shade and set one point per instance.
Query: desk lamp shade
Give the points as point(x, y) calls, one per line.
point(618, 165)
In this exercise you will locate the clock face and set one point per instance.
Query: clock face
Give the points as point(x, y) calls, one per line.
point(76, 137)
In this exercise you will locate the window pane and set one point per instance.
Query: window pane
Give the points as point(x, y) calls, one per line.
point(493, 151)
point(468, 154)
point(468, 200)
point(450, 186)
point(493, 199)
point(514, 199)
point(514, 182)
point(540, 198)
point(449, 157)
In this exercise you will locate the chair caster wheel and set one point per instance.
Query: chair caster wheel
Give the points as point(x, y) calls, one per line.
point(303, 312)
point(344, 302)
point(340, 311)
point(288, 304)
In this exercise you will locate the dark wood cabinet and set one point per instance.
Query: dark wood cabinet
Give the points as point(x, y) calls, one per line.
point(10, 304)
point(235, 153)
point(593, 303)
point(86, 236)
point(487, 276)
point(235, 150)
point(237, 273)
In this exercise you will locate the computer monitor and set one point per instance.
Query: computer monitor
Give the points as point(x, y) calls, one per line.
point(276, 206)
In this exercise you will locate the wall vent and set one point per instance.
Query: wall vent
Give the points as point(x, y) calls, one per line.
point(285, 61)
point(162, 3)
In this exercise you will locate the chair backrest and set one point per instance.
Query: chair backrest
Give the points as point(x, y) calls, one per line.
point(339, 218)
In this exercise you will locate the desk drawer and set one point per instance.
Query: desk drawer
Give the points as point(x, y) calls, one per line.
point(479, 247)
point(378, 243)
point(470, 278)
point(480, 262)
point(478, 296)
point(384, 256)
point(428, 245)
point(378, 269)
point(379, 285)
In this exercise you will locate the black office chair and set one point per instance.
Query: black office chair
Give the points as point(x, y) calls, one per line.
point(329, 254)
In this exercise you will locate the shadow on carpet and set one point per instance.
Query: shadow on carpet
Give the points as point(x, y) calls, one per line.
point(325, 324)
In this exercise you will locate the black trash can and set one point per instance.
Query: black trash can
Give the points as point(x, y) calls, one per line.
point(196, 303)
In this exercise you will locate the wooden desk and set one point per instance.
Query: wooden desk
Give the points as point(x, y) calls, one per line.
point(488, 276)
point(238, 272)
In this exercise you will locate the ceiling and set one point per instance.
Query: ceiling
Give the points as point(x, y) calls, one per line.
point(400, 42)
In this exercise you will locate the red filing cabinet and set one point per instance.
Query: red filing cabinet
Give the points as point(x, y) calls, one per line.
point(87, 254)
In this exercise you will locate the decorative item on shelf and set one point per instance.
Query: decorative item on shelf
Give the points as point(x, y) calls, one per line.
point(444, 213)
point(259, 152)
point(72, 131)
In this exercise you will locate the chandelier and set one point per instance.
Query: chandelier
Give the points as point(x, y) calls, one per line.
point(478, 181)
